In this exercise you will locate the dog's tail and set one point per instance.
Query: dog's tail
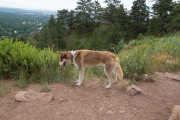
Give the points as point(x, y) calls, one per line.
point(119, 72)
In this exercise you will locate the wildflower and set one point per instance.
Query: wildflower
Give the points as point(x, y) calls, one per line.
point(144, 55)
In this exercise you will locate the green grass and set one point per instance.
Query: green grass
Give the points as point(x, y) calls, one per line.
point(151, 54)
point(5, 91)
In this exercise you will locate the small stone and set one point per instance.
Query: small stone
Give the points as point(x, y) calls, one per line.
point(20, 96)
point(133, 90)
point(146, 78)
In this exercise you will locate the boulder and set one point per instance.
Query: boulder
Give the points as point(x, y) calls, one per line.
point(175, 115)
point(133, 90)
point(30, 95)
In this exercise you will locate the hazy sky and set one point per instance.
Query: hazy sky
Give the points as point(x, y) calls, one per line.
point(53, 4)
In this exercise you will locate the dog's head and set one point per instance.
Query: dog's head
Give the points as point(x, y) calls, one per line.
point(65, 57)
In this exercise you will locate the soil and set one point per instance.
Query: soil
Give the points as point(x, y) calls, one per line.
point(92, 101)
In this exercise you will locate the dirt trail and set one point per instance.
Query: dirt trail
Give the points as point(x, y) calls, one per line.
point(93, 102)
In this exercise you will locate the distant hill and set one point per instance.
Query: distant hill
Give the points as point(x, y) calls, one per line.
point(20, 22)
point(26, 11)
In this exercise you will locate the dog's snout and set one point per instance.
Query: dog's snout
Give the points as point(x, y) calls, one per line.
point(62, 63)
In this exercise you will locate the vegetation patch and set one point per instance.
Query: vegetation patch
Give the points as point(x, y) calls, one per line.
point(151, 54)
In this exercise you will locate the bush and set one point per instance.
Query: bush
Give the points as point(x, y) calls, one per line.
point(150, 55)
point(26, 63)
point(16, 56)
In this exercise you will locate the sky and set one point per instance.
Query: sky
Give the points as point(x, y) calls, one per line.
point(54, 4)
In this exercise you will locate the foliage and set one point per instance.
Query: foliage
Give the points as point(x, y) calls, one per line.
point(151, 54)
point(162, 9)
point(91, 26)
point(5, 91)
point(139, 16)
point(102, 38)
point(174, 24)
point(17, 57)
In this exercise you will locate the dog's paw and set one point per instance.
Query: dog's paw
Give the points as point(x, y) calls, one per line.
point(108, 86)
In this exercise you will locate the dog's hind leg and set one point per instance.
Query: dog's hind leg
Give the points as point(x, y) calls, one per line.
point(81, 77)
point(115, 73)
point(108, 70)
point(119, 72)
point(115, 76)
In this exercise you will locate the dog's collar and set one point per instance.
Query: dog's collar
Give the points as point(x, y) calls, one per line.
point(73, 53)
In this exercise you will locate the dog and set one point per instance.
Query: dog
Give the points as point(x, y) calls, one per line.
point(87, 58)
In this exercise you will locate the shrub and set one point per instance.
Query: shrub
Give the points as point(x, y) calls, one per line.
point(151, 54)
point(27, 63)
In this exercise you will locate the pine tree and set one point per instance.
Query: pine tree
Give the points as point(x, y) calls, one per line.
point(96, 11)
point(113, 11)
point(51, 32)
point(71, 20)
point(174, 24)
point(62, 27)
point(162, 10)
point(139, 16)
point(84, 18)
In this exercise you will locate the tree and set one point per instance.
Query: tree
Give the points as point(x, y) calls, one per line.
point(62, 17)
point(62, 27)
point(84, 18)
point(174, 24)
point(113, 11)
point(162, 10)
point(51, 35)
point(139, 16)
point(71, 20)
point(50, 32)
point(96, 11)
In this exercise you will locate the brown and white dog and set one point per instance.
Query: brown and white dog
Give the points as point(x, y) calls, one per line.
point(87, 58)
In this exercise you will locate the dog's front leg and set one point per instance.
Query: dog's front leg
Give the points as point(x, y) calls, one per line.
point(81, 77)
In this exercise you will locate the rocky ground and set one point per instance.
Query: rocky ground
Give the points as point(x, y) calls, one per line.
point(93, 102)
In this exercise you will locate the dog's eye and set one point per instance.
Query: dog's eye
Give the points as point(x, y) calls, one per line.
point(63, 57)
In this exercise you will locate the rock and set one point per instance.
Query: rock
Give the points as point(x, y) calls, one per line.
point(133, 90)
point(146, 78)
point(172, 76)
point(30, 95)
point(175, 115)
point(20, 96)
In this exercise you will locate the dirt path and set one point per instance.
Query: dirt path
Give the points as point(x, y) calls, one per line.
point(93, 102)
